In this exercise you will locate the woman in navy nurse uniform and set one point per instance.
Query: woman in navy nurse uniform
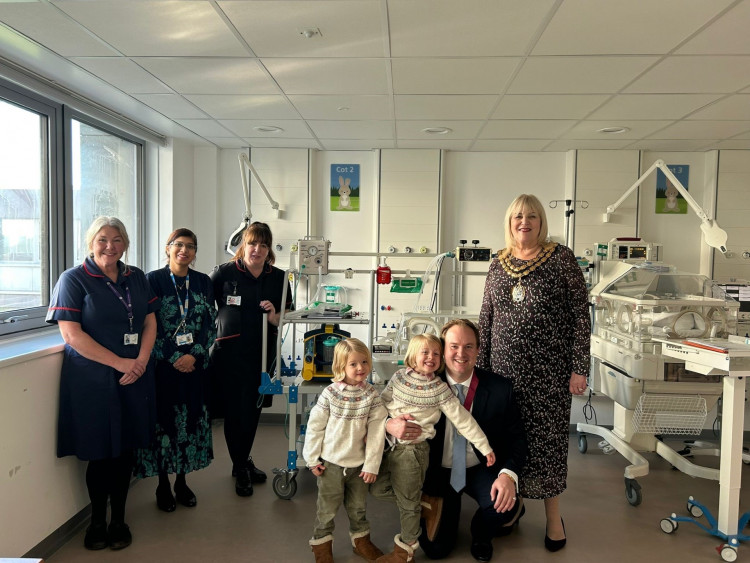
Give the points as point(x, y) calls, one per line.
point(105, 311)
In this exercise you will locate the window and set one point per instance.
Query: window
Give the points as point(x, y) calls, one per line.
point(47, 201)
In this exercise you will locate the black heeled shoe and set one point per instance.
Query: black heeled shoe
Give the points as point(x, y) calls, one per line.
point(164, 499)
point(185, 496)
point(555, 545)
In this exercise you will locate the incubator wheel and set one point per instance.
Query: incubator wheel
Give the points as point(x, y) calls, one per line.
point(668, 525)
point(583, 444)
point(694, 510)
point(728, 553)
point(284, 486)
point(633, 492)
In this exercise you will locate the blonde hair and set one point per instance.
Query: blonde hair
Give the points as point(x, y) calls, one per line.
point(417, 343)
point(341, 354)
point(524, 202)
point(101, 222)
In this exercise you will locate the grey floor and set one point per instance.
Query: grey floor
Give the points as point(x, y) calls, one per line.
point(600, 523)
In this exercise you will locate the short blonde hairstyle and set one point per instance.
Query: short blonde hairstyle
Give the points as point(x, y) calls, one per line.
point(101, 222)
point(415, 346)
point(525, 202)
point(341, 354)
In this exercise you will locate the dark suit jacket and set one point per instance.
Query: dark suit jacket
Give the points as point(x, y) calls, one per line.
point(497, 414)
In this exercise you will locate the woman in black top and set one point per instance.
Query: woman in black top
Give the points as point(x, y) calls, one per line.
point(245, 288)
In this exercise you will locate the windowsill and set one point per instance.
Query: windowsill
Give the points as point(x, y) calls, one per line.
point(36, 344)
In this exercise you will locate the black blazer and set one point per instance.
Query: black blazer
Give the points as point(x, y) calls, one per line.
point(497, 414)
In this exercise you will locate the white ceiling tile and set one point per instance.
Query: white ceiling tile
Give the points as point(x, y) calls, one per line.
point(284, 143)
point(703, 130)
point(450, 107)
point(332, 107)
point(164, 27)
point(46, 25)
point(733, 107)
point(578, 75)
point(678, 75)
point(228, 142)
point(734, 144)
point(446, 144)
point(562, 106)
point(636, 129)
point(272, 28)
point(171, 105)
point(652, 106)
point(352, 129)
point(590, 27)
point(204, 127)
point(489, 28)
point(514, 145)
point(452, 76)
point(727, 36)
point(329, 76)
point(123, 74)
point(671, 145)
point(244, 107)
point(353, 145)
point(196, 75)
point(458, 129)
point(526, 128)
point(291, 129)
point(562, 145)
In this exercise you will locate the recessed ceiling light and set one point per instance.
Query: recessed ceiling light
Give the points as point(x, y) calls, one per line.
point(310, 32)
point(437, 130)
point(268, 129)
point(613, 130)
point(343, 108)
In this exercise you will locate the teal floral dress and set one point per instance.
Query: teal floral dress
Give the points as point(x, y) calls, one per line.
point(182, 442)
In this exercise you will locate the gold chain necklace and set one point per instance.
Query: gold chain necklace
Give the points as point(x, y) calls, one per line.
point(518, 293)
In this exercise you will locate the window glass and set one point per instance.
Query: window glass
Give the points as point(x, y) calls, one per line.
point(24, 266)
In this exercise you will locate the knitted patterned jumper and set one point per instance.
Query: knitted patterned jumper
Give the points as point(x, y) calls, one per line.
point(346, 427)
point(410, 392)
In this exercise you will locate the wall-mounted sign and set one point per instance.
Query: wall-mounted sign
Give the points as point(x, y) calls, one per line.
point(668, 199)
point(345, 187)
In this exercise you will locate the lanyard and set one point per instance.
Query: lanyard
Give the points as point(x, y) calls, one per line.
point(128, 306)
point(472, 391)
point(183, 308)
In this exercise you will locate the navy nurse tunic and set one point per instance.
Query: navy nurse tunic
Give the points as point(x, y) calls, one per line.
point(99, 418)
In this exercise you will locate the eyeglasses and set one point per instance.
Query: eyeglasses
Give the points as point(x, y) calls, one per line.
point(180, 245)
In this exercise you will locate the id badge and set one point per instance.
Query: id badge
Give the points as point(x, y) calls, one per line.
point(130, 339)
point(183, 339)
point(234, 300)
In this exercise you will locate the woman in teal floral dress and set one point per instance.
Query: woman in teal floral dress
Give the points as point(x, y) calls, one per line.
point(186, 329)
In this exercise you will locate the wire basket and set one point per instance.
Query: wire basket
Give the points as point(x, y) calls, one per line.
point(669, 414)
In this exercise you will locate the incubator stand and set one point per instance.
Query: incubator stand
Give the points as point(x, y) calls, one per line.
point(636, 303)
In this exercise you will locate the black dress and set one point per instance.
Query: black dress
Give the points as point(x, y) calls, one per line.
point(182, 442)
point(537, 343)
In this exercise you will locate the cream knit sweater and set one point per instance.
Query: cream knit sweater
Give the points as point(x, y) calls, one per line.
point(409, 392)
point(346, 427)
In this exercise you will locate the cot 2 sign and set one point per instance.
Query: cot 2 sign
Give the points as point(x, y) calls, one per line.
point(344, 187)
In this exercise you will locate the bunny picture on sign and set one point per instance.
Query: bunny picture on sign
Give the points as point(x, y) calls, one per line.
point(668, 198)
point(344, 187)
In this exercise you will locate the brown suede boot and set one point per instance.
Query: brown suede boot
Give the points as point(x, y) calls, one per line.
point(402, 552)
point(364, 547)
point(322, 548)
point(432, 509)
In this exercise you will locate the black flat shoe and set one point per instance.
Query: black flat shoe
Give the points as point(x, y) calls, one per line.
point(119, 535)
point(481, 551)
point(256, 475)
point(243, 486)
point(164, 499)
point(96, 536)
point(555, 545)
point(185, 496)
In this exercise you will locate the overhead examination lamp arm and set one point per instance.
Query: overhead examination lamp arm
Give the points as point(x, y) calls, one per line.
point(236, 237)
point(714, 235)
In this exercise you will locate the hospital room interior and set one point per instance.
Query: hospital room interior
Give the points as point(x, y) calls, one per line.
point(382, 141)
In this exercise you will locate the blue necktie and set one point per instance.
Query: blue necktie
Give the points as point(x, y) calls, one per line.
point(458, 466)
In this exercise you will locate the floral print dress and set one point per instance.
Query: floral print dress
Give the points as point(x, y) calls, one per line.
point(537, 342)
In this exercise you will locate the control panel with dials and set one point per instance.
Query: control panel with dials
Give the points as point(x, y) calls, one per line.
point(313, 255)
point(473, 253)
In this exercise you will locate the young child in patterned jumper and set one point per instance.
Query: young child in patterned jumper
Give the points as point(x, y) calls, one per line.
point(417, 391)
point(343, 448)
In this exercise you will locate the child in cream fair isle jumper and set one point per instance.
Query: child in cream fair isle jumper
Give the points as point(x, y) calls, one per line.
point(419, 392)
point(343, 448)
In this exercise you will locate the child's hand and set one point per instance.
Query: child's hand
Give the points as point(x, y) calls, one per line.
point(318, 470)
point(490, 459)
point(368, 477)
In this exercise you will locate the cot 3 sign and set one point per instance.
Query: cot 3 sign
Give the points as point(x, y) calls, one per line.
point(345, 187)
